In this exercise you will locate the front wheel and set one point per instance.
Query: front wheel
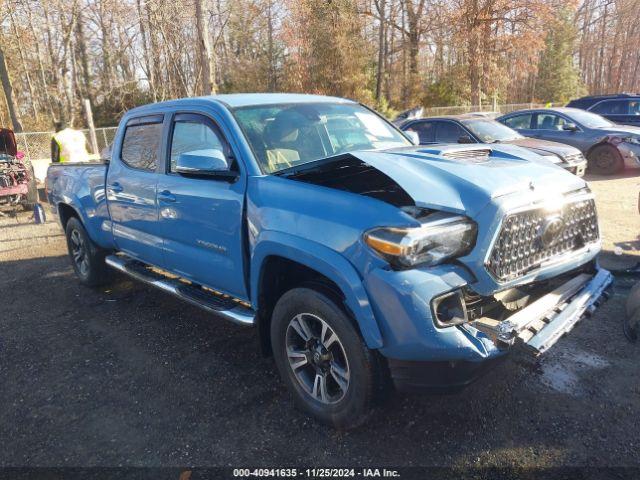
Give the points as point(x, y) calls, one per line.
point(322, 359)
point(605, 160)
point(87, 258)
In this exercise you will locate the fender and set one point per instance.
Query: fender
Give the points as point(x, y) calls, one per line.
point(97, 228)
point(325, 261)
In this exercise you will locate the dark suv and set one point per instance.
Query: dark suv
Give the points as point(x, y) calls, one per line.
point(621, 108)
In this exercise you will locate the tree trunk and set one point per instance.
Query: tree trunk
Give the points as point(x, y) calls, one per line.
point(25, 69)
point(207, 65)
point(8, 93)
point(381, 7)
point(148, 61)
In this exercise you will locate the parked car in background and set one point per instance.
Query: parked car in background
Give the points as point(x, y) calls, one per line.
point(475, 128)
point(18, 185)
point(622, 108)
point(409, 114)
point(357, 255)
point(609, 147)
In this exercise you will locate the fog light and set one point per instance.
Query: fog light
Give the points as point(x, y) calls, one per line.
point(449, 309)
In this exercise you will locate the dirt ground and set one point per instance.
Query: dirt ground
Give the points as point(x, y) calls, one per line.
point(128, 376)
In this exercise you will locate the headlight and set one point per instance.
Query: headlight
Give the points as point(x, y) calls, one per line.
point(440, 237)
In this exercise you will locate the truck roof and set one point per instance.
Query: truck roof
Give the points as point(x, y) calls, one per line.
point(236, 100)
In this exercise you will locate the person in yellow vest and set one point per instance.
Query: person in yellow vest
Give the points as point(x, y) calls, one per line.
point(68, 145)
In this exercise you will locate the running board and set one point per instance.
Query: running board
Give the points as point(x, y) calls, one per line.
point(208, 300)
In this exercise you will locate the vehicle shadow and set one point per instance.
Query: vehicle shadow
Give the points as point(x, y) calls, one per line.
point(125, 374)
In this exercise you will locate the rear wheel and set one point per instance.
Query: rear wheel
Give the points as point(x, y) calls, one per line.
point(87, 258)
point(322, 359)
point(605, 160)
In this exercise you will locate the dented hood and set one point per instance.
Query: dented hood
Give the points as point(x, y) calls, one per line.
point(465, 178)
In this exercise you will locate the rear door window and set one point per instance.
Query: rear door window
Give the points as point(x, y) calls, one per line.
point(141, 143)
point(612, 107)
point(426, 131)
point(519, 122)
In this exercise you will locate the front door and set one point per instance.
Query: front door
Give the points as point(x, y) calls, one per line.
point(550, 126)
point(201, 216)
point(131, 190)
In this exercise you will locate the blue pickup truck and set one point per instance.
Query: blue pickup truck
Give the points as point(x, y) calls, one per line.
point(363, 261)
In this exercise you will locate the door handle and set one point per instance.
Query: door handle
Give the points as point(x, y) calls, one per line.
point(115, 187)
point(166, 196)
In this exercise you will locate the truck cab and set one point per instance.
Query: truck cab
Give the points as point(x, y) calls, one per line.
point(360, 258)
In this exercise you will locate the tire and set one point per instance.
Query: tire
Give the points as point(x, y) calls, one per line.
point(31, 198)
point(605, 160)
point(86, 257)
point(348, 370)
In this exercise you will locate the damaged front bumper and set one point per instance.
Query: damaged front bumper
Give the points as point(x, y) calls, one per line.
point(424, 357)
point(539, 325)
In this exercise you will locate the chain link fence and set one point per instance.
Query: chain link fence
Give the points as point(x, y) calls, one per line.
point(458, 110)
point(37, 145)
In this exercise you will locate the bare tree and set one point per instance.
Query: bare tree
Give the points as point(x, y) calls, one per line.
point(207, 63)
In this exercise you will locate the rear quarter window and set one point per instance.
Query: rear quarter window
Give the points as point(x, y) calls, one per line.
point(141, 144)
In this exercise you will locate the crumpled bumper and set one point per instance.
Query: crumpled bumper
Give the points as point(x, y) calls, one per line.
point(426, 358)
point(542, 323)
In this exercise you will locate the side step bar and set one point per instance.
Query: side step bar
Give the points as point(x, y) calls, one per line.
point(223, 306)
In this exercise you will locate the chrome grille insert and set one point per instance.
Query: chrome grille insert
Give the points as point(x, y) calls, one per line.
point(529, 239)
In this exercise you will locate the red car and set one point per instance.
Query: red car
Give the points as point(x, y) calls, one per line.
point(18, 185)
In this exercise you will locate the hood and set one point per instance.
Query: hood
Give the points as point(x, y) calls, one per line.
point(621, 130)
point(543, 147)
point(8, 142)
point(464, 179)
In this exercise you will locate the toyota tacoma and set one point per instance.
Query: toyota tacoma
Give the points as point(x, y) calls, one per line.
point(362, 260)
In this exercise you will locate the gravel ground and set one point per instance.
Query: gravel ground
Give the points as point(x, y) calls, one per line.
point(127, 376)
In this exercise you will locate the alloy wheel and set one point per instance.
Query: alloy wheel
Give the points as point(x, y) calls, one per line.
point(317, 358)
point(79, 252)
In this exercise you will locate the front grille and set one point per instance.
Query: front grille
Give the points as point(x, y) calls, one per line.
point(533, 237)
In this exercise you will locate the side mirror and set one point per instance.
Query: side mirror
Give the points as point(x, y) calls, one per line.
point(413, 136)
point(203, 162)
point(465, 139)
point(570, 127)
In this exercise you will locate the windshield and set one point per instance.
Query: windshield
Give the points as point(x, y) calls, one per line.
point(490, 131)
point(283, 136)
point(590, 120)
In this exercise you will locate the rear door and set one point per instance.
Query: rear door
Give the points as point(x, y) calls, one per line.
point(202, 217)
point(131, 189)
